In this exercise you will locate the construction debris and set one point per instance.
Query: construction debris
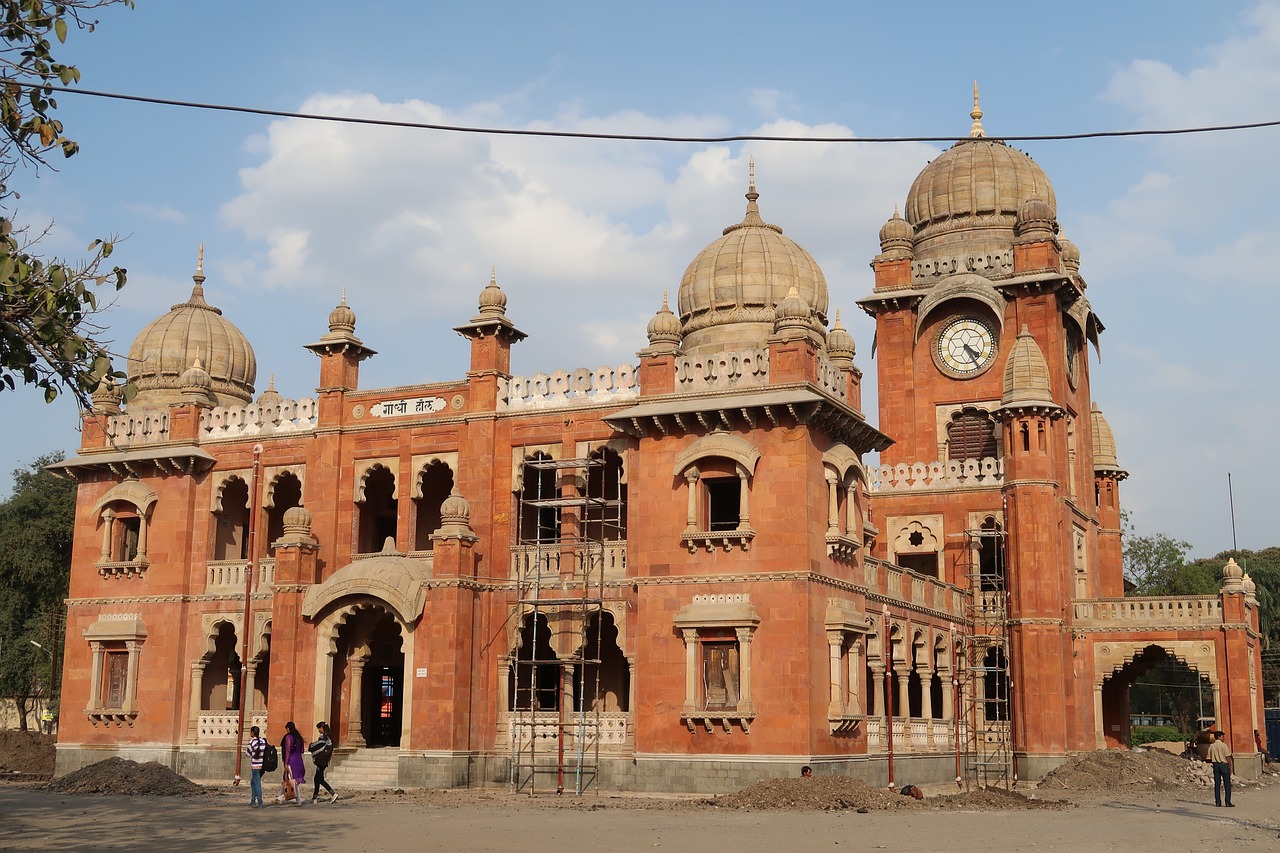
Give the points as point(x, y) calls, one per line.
point(819, 793)
point(122, 777)
point(1114, 769)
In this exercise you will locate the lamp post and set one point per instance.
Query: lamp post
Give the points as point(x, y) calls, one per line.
point(53, 662)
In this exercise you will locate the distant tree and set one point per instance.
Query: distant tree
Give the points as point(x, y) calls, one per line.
point(36, 526)
point(1157, 565)
point(48, 334)
point(1263, 568)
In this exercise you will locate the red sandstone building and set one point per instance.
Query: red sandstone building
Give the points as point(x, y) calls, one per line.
point(681, 575)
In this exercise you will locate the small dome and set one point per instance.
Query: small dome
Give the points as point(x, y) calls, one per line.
point(297, 520)
point(194, 329)
point(1104, 443)
point(840, 346)
point(106, 399)
point(195, 377)
point(455, 510)
point(792, 307)
point(492, 299)
point(270, 397)
point(1035, 219)
point(1026, 375)
point(728, 293)
point(896, 235)
point(1232, 570)
point(665, 326)
point(342, 318)
point(970, 195)
point(1070, 254)
point(1250, 588)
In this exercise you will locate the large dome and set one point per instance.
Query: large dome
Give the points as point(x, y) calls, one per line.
point(728, 293)
point(169, 345)
point(971, 194)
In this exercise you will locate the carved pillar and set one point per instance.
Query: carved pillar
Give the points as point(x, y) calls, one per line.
point(142, 537)
point(246, 687)
point(835, 639)
point(108, 526)
point(355, 717)
point(690, 669)
point(904, 708)
point(193, 712)
point(855, 675)
point(745, 704)
point(1100, 734)
point(833, 504)
point(853, 515)
point(95, 696)
point(948, 706)
point(877, 677)
point(691, 520)
point(744, 510)
point(131, 677)
point(926, 703)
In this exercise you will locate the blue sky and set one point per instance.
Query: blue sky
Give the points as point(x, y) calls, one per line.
point(1178, 235)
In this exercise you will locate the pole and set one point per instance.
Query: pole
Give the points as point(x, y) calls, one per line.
point(955, 702)
point(1231, 499)
point(248, 590)
point(889, 688)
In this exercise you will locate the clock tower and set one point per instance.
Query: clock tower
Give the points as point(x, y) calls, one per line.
point(981, 327)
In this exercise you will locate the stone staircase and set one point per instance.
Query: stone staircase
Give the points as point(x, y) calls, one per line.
point(366, 767)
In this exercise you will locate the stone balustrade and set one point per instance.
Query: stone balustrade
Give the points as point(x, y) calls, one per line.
point(565, 388)
point(915, 734)
point(909, 587)
point(544, 561)
point(227, 576)
point(146, 427)
point(286, 416)
point(1149, 612)
point(831, 378)
point(723, 370)
point(612, 729)
point(219, 727)
point(984, 473)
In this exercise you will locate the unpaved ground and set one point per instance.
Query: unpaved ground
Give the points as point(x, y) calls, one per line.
point(1129, 801)
point(26, 755)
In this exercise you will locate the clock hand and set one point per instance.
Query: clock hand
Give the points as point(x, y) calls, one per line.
point(973, 353)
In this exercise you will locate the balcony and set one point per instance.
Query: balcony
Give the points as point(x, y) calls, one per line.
point(914, 735)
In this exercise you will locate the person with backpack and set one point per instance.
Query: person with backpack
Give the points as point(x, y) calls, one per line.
point(295, 772)
point(256, 750)
point(321, 750)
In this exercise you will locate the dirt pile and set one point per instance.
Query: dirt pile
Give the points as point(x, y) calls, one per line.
point(1116, 769)
point(26, 754)
point(122, 777)
point(818, 793)
point(991, 799)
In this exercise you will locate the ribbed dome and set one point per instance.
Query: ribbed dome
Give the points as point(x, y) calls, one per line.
point(1026, 375)
point(840, 345)
point(169, 345)
point(664, 327)
point(971, 194)
point(1104, 442)
point(728, 293)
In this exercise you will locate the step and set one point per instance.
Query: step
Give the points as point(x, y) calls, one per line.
point(366, 767)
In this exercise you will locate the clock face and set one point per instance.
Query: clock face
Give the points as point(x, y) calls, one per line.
point(966, 347)
point(1075, 350)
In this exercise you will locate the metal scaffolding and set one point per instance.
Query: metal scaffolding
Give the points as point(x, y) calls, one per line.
point(563, 524)
point(987, 682)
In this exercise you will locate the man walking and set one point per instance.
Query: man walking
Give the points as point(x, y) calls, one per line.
point(1220, 758)
point(256, 748)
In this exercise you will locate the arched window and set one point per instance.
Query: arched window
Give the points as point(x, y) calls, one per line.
point(378, 515)
point(434, 484)
point(539, 521)
point(231, 521)
point(283, 494)
point(124, 513)
point(971, 434)
point(717, 470)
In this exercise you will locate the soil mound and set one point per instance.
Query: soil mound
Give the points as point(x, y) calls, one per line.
point(817, 793)
point(26, 753)
point(989, 799)
point(122, 777)
point(1114, 769)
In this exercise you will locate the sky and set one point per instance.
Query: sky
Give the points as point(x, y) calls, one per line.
point(1178, 234)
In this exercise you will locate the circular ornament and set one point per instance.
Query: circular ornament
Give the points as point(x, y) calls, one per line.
point(357, 411)
point(457, 401)
point(965, 347)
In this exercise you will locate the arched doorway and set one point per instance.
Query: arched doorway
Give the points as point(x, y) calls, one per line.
point(367, 697)
point(1156, 686)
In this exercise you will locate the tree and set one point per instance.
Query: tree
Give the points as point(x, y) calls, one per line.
point(48, 334)
point(1157, 565)
point(36, 526)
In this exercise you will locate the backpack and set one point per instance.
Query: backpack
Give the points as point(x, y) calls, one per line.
point(270, 759)
point(322, 752)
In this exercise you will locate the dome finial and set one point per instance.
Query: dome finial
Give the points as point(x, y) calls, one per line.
point(751, 174)
point(976, 131)
point(197, 292)
point(752, 216)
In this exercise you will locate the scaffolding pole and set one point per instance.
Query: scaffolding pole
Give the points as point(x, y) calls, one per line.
point(563, 524)
point(987, 683)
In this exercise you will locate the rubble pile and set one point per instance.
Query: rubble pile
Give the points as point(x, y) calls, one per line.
point(26, 755)
point(122, 777)
point(1115, 769)
point(818, 793)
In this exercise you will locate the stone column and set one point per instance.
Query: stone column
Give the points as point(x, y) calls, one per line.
point(691, 520)
point(948, 694)
point(835, 640)
point(95, 696)
point(745, 705)
point(744, 510)
point(904, 708)
point(355, 714)
point(142, 537)
point(108, 526)
point(690, 669)
point(877, 693)
point(131, 676)
point(247, 684)
point(855, 675)
point(833, 505)
point(193, 713)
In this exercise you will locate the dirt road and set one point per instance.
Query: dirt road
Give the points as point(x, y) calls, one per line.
point(496, 821)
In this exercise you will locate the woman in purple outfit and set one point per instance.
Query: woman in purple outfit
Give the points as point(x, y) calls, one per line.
point(291, 748)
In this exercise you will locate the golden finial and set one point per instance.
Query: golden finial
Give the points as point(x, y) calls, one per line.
point(344, 296)
point(665, 306)
point(493, 275)
point(200, 259)
point(976, 131)
point(751, 172)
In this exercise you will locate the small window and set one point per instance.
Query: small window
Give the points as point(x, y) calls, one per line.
point(115, 667)
point(124, 547)
point(721, 675)
point(971, 435)
point(723, 503)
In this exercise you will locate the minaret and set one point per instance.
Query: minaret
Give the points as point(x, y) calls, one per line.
point(491, 335)
point(1107, 475)
point(340, 351)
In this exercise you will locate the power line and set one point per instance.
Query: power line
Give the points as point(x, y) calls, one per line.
point(637, 137)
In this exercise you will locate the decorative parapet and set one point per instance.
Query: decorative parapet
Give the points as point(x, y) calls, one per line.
point(562, 388)
point(285, 416)
point(722, 370)
point(984, 473)
point(988, 265)
point(227, 576)
point(831, 378)
point(910, 587)
point(1147, 612)
point(607, 729)
point(147, 427)
point(223, 727)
